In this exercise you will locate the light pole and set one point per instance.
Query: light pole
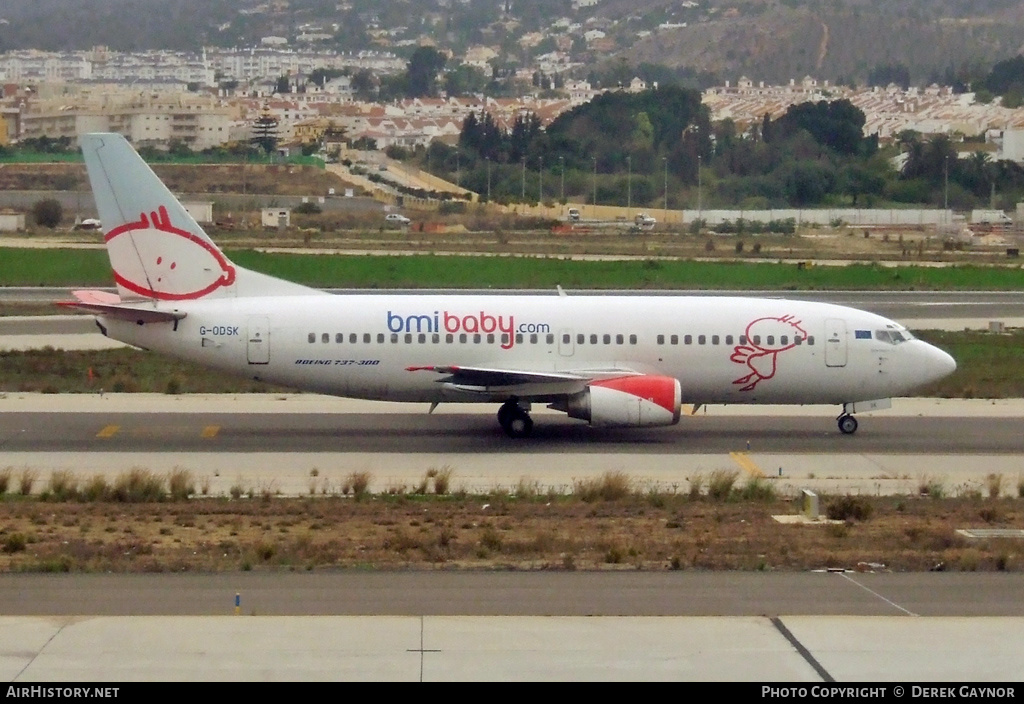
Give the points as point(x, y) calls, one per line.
point(594, 158)
point(629, 184)
point(561, 193)
point(488, 178)
point(945, 178)
point(699, 188)
point(664, 163)
point(540, 180)
point(524, 181)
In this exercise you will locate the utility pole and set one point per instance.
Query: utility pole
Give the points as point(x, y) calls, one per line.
point(595, 185)
point(488, 178)
point(945, 178)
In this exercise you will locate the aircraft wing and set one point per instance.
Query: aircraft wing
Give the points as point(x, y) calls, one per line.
point(109, 304)
point(520, 382)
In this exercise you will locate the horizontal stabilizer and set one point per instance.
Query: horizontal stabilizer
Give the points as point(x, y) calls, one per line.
point(109, 304)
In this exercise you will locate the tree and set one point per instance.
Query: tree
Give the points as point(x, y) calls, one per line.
point(421, 72)
point(264, 132)
point(47, 213)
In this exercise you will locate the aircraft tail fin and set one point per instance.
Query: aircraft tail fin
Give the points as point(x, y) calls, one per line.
point(157, 250)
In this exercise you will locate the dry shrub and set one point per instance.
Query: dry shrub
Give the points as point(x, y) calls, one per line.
point(610, 486)
point(96, 489)
point(359, 481)
point(696, 485)
point(994, 482)
point(181, 484)
point(7, 472)
point(721, 482)
point(63, 485)
point(527, 488)
point(758, 489)
point(442, 480)
point(27, 480)
point(138, 485)
point(933, 487)
point(849, 508)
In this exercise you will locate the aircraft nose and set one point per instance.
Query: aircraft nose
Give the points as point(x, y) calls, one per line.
point(936, 364)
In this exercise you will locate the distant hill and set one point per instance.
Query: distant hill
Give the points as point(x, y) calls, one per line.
point(770, 40)
point(838, 41)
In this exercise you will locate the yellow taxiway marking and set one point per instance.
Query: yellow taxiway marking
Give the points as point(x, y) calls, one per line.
point(109, 431)
point(210, 431)
point(746, 464)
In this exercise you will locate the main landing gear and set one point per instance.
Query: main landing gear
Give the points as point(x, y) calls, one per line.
point(847, 423)
point(514, 419)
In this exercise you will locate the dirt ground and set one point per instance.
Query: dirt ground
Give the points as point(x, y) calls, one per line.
point(535, 532)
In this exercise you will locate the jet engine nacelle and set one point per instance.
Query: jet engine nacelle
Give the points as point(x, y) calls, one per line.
point(630, 401)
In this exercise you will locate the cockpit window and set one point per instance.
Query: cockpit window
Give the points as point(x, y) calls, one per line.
point(893, 337)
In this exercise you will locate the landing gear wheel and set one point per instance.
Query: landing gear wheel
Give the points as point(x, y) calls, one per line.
point(514, 420)
point(847, 424)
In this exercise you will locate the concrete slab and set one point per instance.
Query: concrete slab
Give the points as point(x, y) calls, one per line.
point(922, 650)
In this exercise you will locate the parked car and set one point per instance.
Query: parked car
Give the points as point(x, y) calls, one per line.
point(643, 221)
point(397, 218)
point(574, 215)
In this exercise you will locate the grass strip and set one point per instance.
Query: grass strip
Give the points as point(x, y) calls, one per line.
point(89, 267)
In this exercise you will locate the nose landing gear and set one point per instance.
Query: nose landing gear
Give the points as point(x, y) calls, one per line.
point(847, 423)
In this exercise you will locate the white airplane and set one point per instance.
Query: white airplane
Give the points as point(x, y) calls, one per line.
point(609, 360)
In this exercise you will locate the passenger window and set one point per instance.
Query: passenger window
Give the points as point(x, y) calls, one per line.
point(504, 338)
point(380, 338)
point(422, 337)
point(784, 340)
point(325, 338)
point(687, 339)
point(743, 339)
point(449, 338)
point(408, 338)
point(519, 338)
point(476, 338)
point(632, 339)
point(728, 339)
point(463, 337)
point(757, 339)
point(618, 339)
point(580, 339)
point(367, 338)
point(771, 339)
point(593, 339)
point(339, 338)
point(810, 339)
point(674, 340)
point(394, 338)
point(533, 338)
point(714, 339)
point(566, 338)
point(607, 339)
point(797, 340)
point(490, 338)
point(435, 338)
point(353, 338)
point(701, 339)
point(661, 339)
point(551, 338)
point(312, 337)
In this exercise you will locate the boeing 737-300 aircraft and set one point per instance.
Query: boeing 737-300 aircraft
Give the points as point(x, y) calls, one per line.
point(608, 360)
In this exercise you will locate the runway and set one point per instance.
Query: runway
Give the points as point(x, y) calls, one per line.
point(277, 441)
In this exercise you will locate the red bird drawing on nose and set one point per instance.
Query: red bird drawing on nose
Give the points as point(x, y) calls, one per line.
point(761, 357)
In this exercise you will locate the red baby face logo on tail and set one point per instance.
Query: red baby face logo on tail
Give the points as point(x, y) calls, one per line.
point(761, 357)
point(154, 259)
